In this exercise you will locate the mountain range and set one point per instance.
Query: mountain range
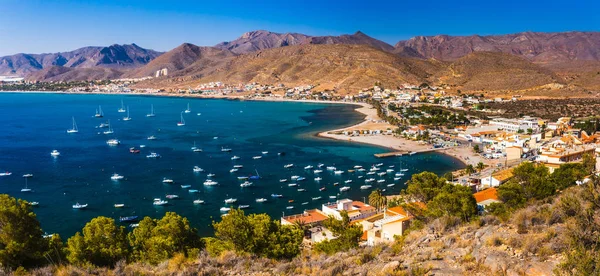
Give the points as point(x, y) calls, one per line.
point(515, 62)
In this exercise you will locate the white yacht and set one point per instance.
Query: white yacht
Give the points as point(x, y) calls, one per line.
point(198, 201)
point(246, 184)
point(116, 176)
point(188, 110)
point(365, 187)
point(225, 149)
point(119, 205)
point(151, 137)
point(230, 200)
point(34, 203)
point(55, 153)
point(331, 168)
point(235, 157)
point(348, 181)
point(225, 209)
point(283, 180)
point(198, 169)
point(265, 152)
point(210, 175)
point(167, 180)
point(210, 182)
point(159, 202)
point(261, 200)
point(74, 129)
point(244, 206)
point(113, 142)
point(26, 189)
point(233, 170)
point(308, 167)
point(27, 175)
point(338, 172)
point(317, 171)
point(345, 188)
point(80, 206)
point(256, 157)
point(288, 166)
point(318, 178)
point(153, 155)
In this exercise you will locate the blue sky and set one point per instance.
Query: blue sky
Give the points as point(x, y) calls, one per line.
point(37, 26)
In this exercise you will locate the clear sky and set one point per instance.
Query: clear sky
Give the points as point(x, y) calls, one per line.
point(39, 26)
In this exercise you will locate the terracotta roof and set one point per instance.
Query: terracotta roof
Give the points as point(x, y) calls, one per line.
point(487, 194)
point(364, 236)
point(503, 175)
point(309, 216)
point(398, 210)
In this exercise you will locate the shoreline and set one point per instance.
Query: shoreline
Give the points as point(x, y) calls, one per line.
point(385, 141)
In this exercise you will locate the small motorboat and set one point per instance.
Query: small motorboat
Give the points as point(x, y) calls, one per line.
point(244, 206)
point(113, 142)
point(348, 181)
point(322, 189)
point(27, 175)
point(365, 187)
point(168, 181)
point(5, 173)
point(288, 166)
point(128, 219)
point(301, 190)
point(153, 155)
point(134, 150)
point(198, 201)
point(53, 153)
point(33, 203)
point(225, 209)
point(261, 200)
point(283, 180)
point(318, 178)
point(235, 157)
point(276, 195)
point(198, 169)
point(256, 157)
point(210, 182)
point(309, 167)
point(119, 205)
point(116, 176)
point(289, 207)
point(246, 184)
point(160, 202)
point(172, 196)
point(193, 191)
point(317, 171)
point(186, 186)
point(151, 137)
point(316, 198)
point(345, 188)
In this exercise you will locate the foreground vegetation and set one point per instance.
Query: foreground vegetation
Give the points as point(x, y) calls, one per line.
point(544, 225)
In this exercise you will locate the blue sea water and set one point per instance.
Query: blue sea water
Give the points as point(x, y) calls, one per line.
point(35, 124)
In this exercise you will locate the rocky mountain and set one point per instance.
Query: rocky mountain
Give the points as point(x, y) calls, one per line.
point(344, 67)
point(536, 47)
point(61, 73)
point(186, 56)
point(114, 56)
point(261, 40)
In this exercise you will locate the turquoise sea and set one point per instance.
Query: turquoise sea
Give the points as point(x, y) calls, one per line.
point(34, 124)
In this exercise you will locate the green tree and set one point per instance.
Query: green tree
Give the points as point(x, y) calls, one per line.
point(448, 176)
point(469, 169)
point(453, 200)
point(21, 241)
point(424, 186)
point(480, 166)
point(512, 194)
point(476, 149)
point(567, 174)
point(377, 200)
point(534, 179)
point(347, 235)
point(589, 162)
point(257, 234)
point(103, 243)
point(154, 240)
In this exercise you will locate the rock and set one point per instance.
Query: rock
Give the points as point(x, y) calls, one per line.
point(391, 266)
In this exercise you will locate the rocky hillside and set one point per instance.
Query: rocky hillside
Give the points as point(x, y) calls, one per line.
point(114, 56)
point(537, 47)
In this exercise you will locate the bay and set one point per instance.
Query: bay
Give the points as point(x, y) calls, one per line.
point(34, 124)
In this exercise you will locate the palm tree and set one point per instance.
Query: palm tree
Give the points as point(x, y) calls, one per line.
point(377, 200)
point(469, 169)
point(480, 166)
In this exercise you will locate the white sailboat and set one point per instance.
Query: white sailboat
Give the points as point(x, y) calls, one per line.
point(74, 129)
point(26, 189)
point(151, 114)
point(110, 130)
point(182, 121)
point(122, 109)
point(99, 113)
point(127, 118)
point(188, 110)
